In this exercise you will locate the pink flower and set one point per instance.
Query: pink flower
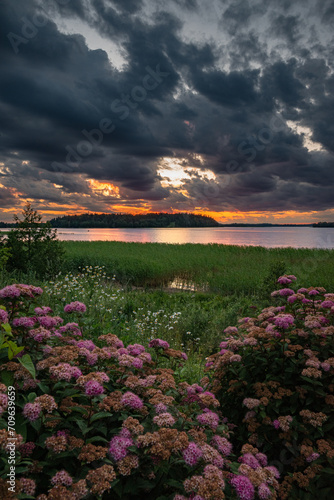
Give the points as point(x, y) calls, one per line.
point(284, 292)
point(192, 454)
point(9, 292)
point(236, 358)
point(164, 420)
point(284, 321)
point(137, 363)
point(4, 317)
point(274, 471)
point(62, 478)
point(93, 388)
point(209, 418)
point(325, 366)
point(26, 449)
point(70, 328)
point(42, 311)
point(312, 457)
point(135, 349)
point(160, 408)
point(313, 292)
point(32, 411)
point(47, 321)
point(131, 400)
point(118, 447)
point(64, 371)
point(327, 304)
point(262, 458)
point(158, 343)
point(87, 344)
point(250, 460)
point(25, 322)
point(222, 444)
point(231, 329)
point(251, 403)
point(75, 307)
point(244, 487)
point(264, 491)
point(284, 280)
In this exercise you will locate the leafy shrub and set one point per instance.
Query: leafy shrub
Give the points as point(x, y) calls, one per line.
point(32, 246)
point(103, 421)
point(274, 380)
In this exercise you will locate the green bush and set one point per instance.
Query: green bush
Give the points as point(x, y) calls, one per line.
point(32, 246)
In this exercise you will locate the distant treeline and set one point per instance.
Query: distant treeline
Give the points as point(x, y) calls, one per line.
point(137, 221)
point(264, 224)
point(324, 224)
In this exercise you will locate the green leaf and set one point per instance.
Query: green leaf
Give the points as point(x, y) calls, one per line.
point(101, 414)
point(7, 327)
point(26, 361)
point(7, 378)
point(21, 426)
point(97, 439)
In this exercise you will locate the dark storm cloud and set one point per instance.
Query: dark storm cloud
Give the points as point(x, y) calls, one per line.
point(287, 27)
point(69, 114)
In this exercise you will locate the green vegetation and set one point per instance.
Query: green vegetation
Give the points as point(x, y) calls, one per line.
point(222, 269)
point(129, 220)
point(31, 246)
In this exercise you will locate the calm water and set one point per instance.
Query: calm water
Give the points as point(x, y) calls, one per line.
point(297, 237)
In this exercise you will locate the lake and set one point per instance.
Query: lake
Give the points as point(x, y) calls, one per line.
point(296, 237)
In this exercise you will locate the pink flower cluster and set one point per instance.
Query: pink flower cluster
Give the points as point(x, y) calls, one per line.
point(284, 321)
point(158, 343)
point(42, 311)
point(93, 388)
point(131, 400)
point(3, 316)
point(251, 403)
point(164, 420)
point(20, 290)
point(25, 322)
point(222, 444)
point(243, 487)
point(62, 478)
point(86, 344)
point(75, 307)
point(70, 328)
point(39, 334)
point(208, 418)
point(118, 446)
point(192, 454)
point(32, 411)
point(64, 371)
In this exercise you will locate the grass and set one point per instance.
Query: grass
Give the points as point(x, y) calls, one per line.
point(225, 269)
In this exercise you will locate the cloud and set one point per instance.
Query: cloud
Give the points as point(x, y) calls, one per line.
point(245, 92)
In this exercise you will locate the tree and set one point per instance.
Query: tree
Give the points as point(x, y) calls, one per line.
point(33, 245)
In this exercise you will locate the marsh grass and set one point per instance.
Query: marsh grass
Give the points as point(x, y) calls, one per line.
point(224, 269)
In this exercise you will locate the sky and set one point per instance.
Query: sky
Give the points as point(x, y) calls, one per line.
point(217, 107)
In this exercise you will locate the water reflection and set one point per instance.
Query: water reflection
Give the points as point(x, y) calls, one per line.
point(296, 237)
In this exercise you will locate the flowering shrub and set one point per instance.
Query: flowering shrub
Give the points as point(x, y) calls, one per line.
point(274, 380)
point(101, 420)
